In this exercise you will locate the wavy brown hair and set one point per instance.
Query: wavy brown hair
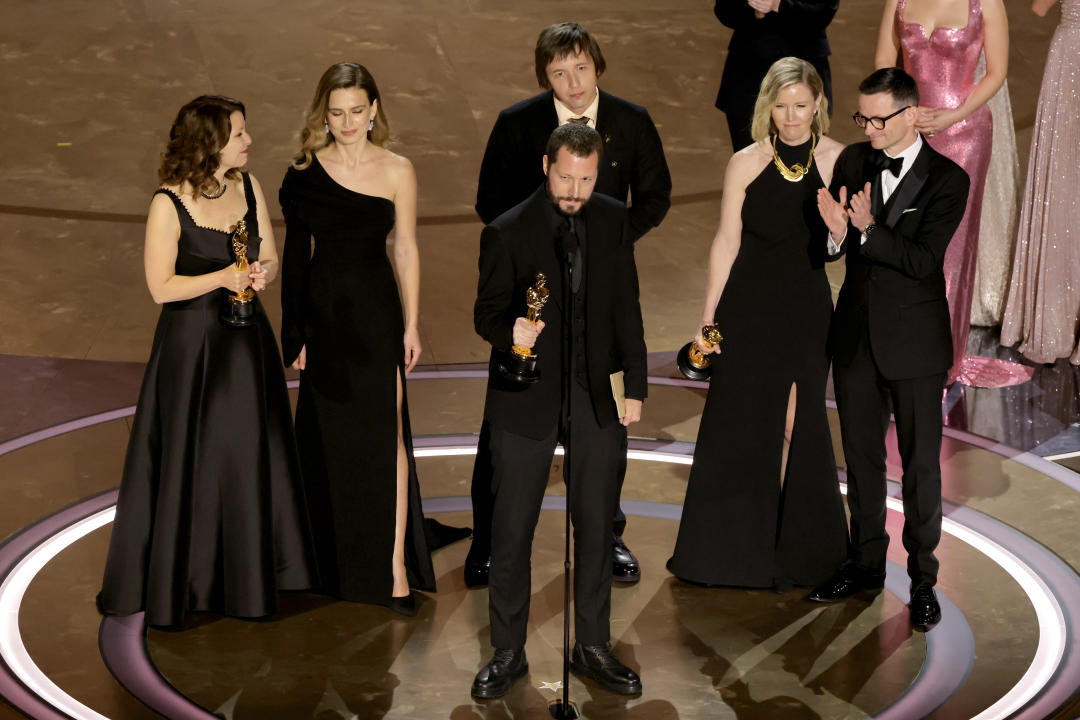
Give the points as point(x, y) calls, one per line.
point(200, 131)
point(314, 136)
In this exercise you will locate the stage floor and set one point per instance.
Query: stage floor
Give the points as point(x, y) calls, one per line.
point(89, 91)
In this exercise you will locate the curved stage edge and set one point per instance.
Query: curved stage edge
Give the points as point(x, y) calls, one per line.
point(1050, 681)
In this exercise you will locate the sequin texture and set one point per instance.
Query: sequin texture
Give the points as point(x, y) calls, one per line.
point(1042, 311)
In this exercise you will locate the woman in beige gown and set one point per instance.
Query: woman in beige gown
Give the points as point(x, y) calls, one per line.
point(1042, 311)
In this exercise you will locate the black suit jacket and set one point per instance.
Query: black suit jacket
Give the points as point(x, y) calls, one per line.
point(797, 29)
point(633, 159)
point(895, 286)
point(513, 249)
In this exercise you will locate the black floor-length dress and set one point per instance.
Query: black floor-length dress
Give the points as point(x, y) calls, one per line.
point(342, 302)
point(211, 512)
point(739, 525)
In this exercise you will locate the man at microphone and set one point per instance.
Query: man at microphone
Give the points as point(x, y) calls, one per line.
point(561, 223)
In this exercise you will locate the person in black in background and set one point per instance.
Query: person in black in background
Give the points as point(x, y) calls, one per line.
point(568, 63)
point(764, 32)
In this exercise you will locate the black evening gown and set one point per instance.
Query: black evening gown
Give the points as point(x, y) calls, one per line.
point(739, 527)
point(211, 513)
point(342, 302)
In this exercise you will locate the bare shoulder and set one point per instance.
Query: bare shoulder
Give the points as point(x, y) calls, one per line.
point(828, 150)
point(398, 170)
point(161, 203)
point(395, 163)
point(747, 164)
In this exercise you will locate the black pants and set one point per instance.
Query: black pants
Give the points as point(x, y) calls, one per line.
point(483, 499)
point(521, 468)
point(863, 397)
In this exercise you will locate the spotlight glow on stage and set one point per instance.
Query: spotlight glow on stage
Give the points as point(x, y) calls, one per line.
point(12, 592)
point(1050, 617)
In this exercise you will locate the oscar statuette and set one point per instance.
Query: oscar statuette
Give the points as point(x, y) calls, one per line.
point(692, 362)
point(239, 308)
point(519, 365)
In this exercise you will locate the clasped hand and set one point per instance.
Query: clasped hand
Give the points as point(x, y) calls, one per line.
point(934, 120)
point(238, 280)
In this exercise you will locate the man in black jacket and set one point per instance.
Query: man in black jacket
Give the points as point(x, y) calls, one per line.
point(561, 222)
point(764, 32)
point(890, 335)
point(568, 63)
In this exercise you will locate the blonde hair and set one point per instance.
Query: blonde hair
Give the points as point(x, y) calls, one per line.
point(314, 136)
point(784, 73)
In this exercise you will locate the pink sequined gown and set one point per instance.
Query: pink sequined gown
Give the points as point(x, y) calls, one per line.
point(1043, 305)
point(944, 65)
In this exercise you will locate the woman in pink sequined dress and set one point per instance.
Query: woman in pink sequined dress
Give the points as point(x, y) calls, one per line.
point(1042, 311)
point(939, 42)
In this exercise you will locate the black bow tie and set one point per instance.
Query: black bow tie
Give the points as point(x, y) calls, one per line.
point(883, 162)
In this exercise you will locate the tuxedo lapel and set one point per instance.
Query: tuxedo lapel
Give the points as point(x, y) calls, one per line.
point(872, 174)
point(909, 187)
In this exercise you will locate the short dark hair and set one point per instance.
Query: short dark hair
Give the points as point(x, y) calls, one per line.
point(580, 140)
point(560, 40)
point(894, 81)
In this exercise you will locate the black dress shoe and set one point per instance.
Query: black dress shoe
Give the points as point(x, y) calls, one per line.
point(850, 580)
point(625, 568)
point(599, 664)
point(495, 678)
point(477, 569)
point(925, 612)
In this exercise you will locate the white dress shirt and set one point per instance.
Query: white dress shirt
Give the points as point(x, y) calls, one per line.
point(566, 113)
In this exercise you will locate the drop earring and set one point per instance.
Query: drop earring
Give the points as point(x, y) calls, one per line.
point(327, 126)
point(371, 125)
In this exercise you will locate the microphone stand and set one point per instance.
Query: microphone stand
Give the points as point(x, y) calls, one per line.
point(564, 709)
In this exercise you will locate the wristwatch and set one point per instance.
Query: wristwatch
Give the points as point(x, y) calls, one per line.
point(868, 229)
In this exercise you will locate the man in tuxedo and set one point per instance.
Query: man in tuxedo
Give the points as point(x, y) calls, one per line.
point(890, 334)
point(561, 222)
point(764, 32)
point(568, 64)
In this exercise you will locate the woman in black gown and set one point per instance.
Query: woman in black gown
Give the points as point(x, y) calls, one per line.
point(211, 514)
point(354, 337)
point(763, 505)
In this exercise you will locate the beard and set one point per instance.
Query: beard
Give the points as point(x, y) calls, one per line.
point(555, 200)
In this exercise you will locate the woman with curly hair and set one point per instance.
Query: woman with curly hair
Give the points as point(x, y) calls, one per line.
point(354, 337)
point(211, 514)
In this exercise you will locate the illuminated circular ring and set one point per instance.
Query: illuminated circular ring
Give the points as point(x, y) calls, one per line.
point(1051, 585)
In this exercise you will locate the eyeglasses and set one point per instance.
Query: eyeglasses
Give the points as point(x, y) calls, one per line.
point(877, 122)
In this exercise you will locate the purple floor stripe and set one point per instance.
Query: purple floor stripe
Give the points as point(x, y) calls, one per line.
point(122, 641)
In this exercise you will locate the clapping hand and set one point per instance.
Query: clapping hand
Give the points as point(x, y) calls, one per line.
point(859, 212)
point(834, 213)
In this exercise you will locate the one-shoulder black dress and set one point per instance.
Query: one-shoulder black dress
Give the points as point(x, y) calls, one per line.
point(211, 512)
point(739, 526)
point(341, 301)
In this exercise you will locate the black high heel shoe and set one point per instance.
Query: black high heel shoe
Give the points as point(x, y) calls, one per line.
point(404, 605)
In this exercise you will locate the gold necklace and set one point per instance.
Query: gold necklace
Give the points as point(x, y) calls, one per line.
point(796, 172)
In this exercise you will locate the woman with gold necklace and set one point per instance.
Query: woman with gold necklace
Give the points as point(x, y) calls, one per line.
point(763, 505)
